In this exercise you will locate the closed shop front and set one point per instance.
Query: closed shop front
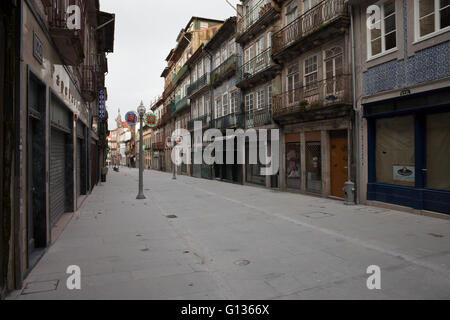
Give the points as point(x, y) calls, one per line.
point(94, 164)
point(409, 152)
point(253, 171)
point(57, 175)
point(196, 168)
point(61, 161)
point(293, 161)
point(81, 160)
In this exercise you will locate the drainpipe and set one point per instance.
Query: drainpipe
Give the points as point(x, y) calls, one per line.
point(18, 147)
point(211, 100)
point(355, 110)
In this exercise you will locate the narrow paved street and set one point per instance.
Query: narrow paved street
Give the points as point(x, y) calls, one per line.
point(201, 239)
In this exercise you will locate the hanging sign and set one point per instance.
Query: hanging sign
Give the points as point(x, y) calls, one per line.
point(151, 120)
point(131, 118)
point(101, 105)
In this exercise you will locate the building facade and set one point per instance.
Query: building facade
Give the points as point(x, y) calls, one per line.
point(227, 111)
point(199, 94)
point(61, 135)
point(313, 96)
point(356, 88)
point(10, 79)
point(403, 89)
point(176, 103)
point(257, 21)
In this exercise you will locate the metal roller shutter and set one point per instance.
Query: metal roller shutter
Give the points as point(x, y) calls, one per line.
point(57, 176)
point(79, 142)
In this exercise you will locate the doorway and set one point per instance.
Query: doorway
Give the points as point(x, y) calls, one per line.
point(338, 162)
point(36, 168)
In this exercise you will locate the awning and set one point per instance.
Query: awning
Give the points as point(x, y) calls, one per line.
point(106, 32)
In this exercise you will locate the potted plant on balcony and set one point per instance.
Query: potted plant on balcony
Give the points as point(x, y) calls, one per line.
point(303, 103)
point(264, 9)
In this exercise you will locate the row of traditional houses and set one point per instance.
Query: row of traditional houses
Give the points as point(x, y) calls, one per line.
point(359, 91)
point(53, 128)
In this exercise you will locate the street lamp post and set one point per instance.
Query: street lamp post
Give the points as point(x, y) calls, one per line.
point(141, 111)
point(174, 177)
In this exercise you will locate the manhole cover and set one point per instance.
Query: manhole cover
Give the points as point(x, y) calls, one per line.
point(40, 286)
point(242, 262)
point(318, 214)
point(436, 235)
point(171, 216)
point(372, 210)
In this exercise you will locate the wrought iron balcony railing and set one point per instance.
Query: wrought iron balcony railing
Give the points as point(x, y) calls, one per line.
point(89, 83)
point(311, 21)
point(199, 84)
point(203, 119)
point(232, 120)
point(254, 14)
point(167, 89)
point(227, 69)
point(258, 118)
point(178, 104)
point(180, 74)
point(314, 96)
point(260, 63)
point(166, 116)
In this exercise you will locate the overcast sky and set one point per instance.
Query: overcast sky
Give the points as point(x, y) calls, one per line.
point(146, 31)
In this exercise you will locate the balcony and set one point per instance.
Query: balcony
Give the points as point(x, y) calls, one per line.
point(68, 38)
point(318, 25)
point(325, 99)
point(160, 123)
point(88, 83)
point(225, 71)
point(100, 80)
point(160, 142)
point(198, 85)
point(167, 89)
point(233, 120)
point(179, 104)
point(261, 14)
point(166, 116)
point(258, 118)
point(180, 74)
point(204, 120)
point(259, 68)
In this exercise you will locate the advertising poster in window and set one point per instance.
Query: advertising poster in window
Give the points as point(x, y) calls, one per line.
point(293, 165)
point(404, 174)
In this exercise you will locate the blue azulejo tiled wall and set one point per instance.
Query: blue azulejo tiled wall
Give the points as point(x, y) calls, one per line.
point(426, 65)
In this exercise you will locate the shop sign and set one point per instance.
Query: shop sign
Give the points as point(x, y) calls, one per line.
point(131, 118)
point(151, 120)
point(101, 105)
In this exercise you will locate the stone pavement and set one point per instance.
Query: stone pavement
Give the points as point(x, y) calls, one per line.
point(201, 239)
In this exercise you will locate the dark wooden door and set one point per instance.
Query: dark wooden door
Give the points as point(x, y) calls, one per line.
point(339, 164)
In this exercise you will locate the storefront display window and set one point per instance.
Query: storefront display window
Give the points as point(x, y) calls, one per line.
point(438, 151)
point(293, 168)
point(314, 167)
point(395, 163)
